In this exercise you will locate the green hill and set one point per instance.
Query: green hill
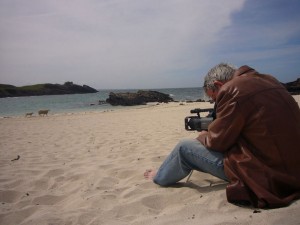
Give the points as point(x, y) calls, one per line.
point(7, 90)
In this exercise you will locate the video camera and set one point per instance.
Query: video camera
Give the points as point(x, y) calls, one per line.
point(197, 122)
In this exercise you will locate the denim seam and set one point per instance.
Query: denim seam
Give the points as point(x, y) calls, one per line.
point(207, 160)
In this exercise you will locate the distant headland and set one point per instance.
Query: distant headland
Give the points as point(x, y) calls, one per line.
point(7, 90)
point(293, 87)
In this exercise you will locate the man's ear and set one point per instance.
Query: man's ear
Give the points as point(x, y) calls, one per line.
point(218, 84)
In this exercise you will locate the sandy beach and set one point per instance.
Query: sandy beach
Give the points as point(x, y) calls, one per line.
point(87, 169)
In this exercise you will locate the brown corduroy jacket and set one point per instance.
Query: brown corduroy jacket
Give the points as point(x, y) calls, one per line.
point(258, 129)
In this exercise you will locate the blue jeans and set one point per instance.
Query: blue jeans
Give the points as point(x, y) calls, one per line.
point(189, 155)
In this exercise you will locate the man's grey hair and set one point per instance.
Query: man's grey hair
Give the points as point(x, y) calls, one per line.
point(221, 72)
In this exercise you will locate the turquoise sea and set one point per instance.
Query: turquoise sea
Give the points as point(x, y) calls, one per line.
point(18, 106)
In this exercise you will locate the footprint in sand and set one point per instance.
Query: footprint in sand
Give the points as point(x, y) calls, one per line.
point(48, 200)
point(10, 196)
point(54, 173)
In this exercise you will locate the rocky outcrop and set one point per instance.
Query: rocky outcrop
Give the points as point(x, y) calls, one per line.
point(293, 87)
point(44, 89)
point(138, 98)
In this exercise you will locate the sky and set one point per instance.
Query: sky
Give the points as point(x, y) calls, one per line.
point(145, 44)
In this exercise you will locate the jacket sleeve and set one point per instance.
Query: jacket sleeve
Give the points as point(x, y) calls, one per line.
point(224, 131)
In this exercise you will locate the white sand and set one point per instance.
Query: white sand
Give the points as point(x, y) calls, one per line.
point(88, 169)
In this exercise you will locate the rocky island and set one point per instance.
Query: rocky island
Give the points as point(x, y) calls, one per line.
point(44, 89)
point(293, 87)
point(139, 98)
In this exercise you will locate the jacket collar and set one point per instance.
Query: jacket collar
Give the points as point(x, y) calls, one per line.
point(243, 70)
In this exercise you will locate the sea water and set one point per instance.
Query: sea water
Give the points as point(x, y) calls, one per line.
point(17, 106)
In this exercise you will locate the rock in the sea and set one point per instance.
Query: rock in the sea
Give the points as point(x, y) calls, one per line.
point(293, 87)
point(138, 98)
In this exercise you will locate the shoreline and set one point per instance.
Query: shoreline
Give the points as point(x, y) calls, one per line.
point(112, 109)
point(121, 108)
point(11, 107)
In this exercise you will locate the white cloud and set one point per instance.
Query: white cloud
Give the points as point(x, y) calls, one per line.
point(109, 43)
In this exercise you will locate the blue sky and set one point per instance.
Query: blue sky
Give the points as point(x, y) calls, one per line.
point(145, 44)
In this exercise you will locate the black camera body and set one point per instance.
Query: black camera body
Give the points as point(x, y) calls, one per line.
point(197, 122)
